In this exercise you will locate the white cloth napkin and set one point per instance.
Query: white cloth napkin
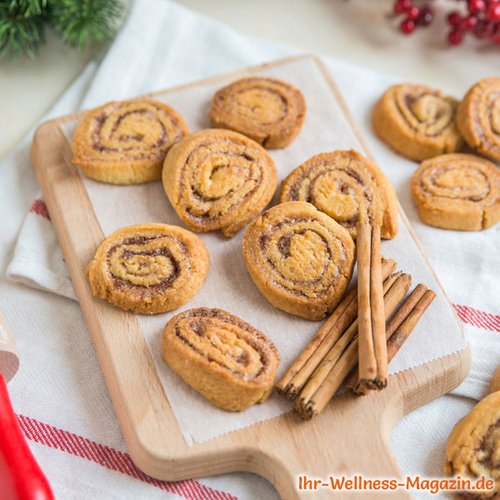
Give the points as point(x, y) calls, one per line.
point(59, 384)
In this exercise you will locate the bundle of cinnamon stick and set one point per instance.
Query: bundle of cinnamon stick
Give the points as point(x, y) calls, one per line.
point(362, 328)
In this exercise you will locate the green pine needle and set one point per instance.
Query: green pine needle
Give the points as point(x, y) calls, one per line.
point(85, 23)
point(22, 24)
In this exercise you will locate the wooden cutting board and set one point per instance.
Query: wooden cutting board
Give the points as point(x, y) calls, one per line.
point(352, 436)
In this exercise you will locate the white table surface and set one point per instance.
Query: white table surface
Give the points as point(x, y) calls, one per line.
point(356, 30)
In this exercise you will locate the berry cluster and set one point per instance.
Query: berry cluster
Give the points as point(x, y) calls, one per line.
point(481, 19)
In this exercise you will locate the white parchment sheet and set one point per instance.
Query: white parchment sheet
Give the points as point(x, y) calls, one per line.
point(228, 284)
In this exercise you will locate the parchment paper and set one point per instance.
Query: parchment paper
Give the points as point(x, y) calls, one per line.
point(228, 284)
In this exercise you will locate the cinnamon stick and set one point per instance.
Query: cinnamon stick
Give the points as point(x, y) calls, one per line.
point(377, 310)
point(372, 342)
point(407, 309)
point(345, 313)
point(335, 367)
point(399, 337)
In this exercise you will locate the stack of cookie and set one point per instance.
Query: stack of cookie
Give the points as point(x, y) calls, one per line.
point(451, 190)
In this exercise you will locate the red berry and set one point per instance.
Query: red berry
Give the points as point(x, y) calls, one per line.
point(455, 18)
point(426, 16)
point(469, 22)
point(401, 6)
point(455, 37)
point(476, 6)
point(407, 26)
point(413, 13)
point(493, 13)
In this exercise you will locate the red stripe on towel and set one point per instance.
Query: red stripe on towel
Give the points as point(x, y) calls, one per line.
point(112, 459)
point(478, 318)
point(40, 208)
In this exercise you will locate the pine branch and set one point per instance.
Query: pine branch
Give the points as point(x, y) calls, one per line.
point(85, 23)
point(22, 24)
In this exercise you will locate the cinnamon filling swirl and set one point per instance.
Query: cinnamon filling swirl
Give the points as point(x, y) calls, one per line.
point(344, 185)
point(269, 111)
point(222, 357)
point(125, 142)
point(478, 117)
point(149, 268)
point(218, 180)
point(299, 258)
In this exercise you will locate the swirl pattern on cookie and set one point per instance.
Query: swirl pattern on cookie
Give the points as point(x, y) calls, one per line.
point(457, 191)
point(222, 357)
point(269, 111)
point(218, 180)
point(299, 258)
point(344, 184)
point(149, 268)
point(473, 448)
point(417, 121)
point(478, 117)
point(126, 142)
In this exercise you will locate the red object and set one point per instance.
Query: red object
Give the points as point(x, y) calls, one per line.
point(20, 476)
point(493, 13)
point(401, 6)
point(455, 18)
point(478, 18)
point(407, 26)
point(413, 13)
point(455, 37)
point(476, 6)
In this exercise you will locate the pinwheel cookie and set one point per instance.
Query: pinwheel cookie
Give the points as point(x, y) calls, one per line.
point(417, 122)
point(149, 268)
point(344, 184)
point(457, 191)
point(299, 258)
point(126, 142)
point(221, 356)
point(269, 111)
point(218, 180)
point(473, 448)
point(478, 117)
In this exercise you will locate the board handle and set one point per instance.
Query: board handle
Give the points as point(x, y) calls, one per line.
point(353, 436)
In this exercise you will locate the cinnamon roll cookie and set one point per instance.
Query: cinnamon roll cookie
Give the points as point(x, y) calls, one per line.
point(149, 268)
point(473, 448)
point(478, 117)
point(416, 121)
point(457, 191)
point(218, 180)
point(269, 111)
point(220, 356)
point(126, 142)
point(344, 184)
point(299, 258)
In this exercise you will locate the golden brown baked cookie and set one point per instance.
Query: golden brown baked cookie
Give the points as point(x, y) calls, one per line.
point(218, 180)
point(269, 111)
point(495, 381)
point(416, 121)
point(299, 258)
point(478, 117)
point(473, 448)
point(149, 268)
point(344, 184)
point(126, 142)
point(457, 191)
point(222, 357)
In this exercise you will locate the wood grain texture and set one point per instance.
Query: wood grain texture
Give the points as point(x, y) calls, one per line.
point(351, 436)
